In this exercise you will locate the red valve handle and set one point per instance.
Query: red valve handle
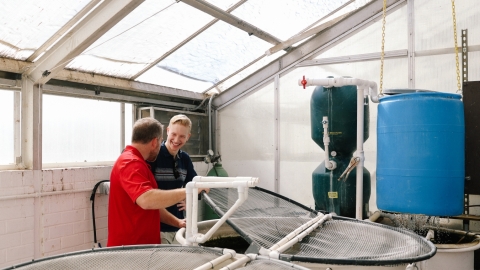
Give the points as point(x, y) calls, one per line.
point(304, 82)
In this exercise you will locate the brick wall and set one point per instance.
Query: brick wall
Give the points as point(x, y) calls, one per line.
point(48, 212)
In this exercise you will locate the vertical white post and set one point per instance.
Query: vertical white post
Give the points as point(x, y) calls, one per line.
point(122, 126)
point(411, 43)
point(17, 116)
point(360, 113)
point(31, 125)
point(276, 109)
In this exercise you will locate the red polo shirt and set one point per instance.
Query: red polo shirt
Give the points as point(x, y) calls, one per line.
point(128, 223)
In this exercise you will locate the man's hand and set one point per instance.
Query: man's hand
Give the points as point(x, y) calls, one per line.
point(181, 205)
point(203, 189)
point(182, 223)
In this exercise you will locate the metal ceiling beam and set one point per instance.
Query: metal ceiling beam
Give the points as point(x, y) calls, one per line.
point(232, 20)
point(357, 21)
point(185, 41)
point(81, 93)
point(79, 38)
point(63, 29)
point(352, 58)
point(16, 66)
point(100, 80)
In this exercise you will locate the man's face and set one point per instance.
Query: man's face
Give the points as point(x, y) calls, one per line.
point(177, 136)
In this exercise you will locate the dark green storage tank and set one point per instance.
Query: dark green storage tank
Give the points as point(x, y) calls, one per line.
point(340, 105)
point(217, 170)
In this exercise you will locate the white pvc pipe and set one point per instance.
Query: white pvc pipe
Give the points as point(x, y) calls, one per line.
point(192, 237)
point(221, 179)
point(198, 238)
point(194, 212)
point(291, 235)
point(362, 89)
point(189, 210)
point(228, 254)
point(331, 165)
point(240, 262)
point(341, 81)
point(275, 253)
point(360, 113)
point(179, 237)
point(430, 235)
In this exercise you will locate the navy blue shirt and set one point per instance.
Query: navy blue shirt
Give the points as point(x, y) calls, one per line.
point(163, 170)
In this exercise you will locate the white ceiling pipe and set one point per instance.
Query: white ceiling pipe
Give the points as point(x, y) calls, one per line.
point(362, 85)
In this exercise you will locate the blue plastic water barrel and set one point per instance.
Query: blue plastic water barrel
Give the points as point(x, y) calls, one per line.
point(421, 154)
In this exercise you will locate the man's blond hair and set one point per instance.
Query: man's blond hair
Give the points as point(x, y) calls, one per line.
point(182, 120)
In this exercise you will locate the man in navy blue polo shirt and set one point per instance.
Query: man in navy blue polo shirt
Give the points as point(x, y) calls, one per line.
point(173, 169)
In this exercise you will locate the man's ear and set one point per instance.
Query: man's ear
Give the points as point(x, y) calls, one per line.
point(154, 142)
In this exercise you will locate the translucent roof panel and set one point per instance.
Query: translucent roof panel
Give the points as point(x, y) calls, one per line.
point(160, 76)
point(244, 73)
point(215, 53)
point(285, 18)
point(26, 24)
point(144, 35)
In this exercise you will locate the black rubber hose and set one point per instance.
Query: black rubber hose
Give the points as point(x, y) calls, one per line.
point(92, 198)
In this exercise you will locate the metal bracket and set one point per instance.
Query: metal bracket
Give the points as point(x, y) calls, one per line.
point(464, 55)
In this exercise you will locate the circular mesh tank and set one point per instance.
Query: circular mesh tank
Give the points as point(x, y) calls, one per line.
point(266, 218)
point(161, 257)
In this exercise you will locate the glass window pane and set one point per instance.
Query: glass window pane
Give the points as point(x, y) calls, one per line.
point(80, 130)
point(6, 130)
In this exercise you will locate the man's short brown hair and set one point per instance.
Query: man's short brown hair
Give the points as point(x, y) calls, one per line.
point(146, 129)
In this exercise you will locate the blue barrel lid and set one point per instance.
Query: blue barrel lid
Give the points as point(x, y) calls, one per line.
point(420, 95)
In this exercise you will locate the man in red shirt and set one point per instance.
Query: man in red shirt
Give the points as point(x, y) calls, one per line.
point(135, 200)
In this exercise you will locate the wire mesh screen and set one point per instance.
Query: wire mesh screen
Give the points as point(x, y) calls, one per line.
point(265, 218)
point(262, 218)
point(128, 257)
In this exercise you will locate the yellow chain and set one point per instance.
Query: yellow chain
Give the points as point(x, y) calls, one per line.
point(383, 46)
point(456, 48)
